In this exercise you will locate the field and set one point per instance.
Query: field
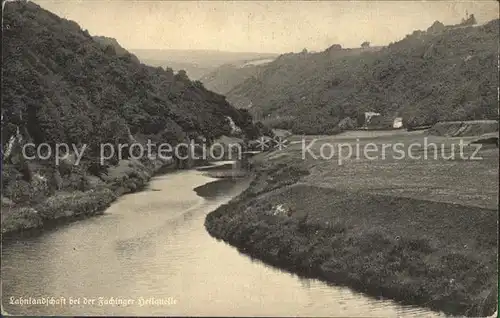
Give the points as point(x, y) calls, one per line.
point(421, 231)
point(447, 179)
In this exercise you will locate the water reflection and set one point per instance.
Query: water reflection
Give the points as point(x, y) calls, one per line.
point(153, 245)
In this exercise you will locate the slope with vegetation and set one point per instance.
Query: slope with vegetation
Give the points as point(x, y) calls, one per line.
point(444, 73)
point(60, 86)
point(227, 76)
point(119, 50)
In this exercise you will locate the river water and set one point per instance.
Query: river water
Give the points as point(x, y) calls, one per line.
point(149, 254)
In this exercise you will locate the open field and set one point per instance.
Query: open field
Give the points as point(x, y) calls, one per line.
point(446, 179)
point(421, 231)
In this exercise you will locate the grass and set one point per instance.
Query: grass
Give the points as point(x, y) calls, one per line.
point(419, 232)
point(56, 209)
point(19, 219)
point(65, 206)
point(465, 128)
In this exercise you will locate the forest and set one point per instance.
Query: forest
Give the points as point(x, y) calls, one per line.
point(440, 74)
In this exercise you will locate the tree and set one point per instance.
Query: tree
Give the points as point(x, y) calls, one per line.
point(472, 20)
point(182, 76)
point(469, 19)
point(335, 47)
point(365, 44)
point(436, 27)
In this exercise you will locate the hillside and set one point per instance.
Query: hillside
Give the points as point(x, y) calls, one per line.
point(196, 63)
point(227, 76)
point(120, 51)
point(60, 86)
point(52, 69)
point(444, 73)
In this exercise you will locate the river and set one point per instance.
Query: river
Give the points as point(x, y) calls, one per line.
point(150, 250)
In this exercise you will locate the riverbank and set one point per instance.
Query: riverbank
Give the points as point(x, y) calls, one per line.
point(128, 176)
point(82, 194)
point(419, 232)
point(157, 240)
point(225, 170)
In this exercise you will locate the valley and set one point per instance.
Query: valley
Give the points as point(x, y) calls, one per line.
point(345, 181)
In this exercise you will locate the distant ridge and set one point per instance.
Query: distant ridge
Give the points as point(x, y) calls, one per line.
point(197, 63)
point(227, 76)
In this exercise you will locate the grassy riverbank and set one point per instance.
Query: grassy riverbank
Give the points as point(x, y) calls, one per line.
point(423, 232)
point(65, 206)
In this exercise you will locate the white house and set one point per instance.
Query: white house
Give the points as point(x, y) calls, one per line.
point(398, 122)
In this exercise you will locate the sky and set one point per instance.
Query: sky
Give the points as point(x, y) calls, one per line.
point(261, 26)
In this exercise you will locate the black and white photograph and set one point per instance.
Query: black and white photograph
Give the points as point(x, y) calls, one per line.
point(247, 158)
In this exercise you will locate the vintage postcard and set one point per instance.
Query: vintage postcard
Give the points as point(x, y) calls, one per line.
point(250, 158)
